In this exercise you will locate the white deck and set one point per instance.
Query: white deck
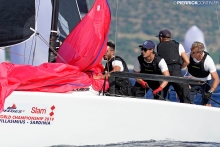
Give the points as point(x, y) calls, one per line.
point(82, 118)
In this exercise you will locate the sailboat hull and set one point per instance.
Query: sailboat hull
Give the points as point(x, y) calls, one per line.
point(84, 118)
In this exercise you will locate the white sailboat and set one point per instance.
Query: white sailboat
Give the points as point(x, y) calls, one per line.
point(83, 117)
point(192, 35)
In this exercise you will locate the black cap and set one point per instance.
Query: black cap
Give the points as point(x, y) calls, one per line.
point(164, 34)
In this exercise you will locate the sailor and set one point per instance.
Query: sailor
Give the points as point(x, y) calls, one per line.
point(176, 59)
point(202, 66)
point(118, 86)
point(151, 63)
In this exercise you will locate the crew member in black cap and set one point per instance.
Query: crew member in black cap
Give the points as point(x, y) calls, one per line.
point(149, 62)
point(176, 59)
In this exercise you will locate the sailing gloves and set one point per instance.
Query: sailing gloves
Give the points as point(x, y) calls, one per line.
point(144, 84)
point(157, 90)
point(208, 94)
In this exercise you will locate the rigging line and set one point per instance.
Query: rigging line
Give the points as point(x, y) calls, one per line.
point(16, 53)
point(34, 52)
point(78, 9)
point(217, 15)
point(156, 94)
point(31, 49)
point(116, 18)
point(186, 72)
point(37, 10)
point(24, 51)
point(197, 91)
point(45, 41)
point(36, 16)
point(116, 24)
point(54, 51)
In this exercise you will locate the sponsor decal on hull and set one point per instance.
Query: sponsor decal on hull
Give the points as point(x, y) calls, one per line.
point(28, 114)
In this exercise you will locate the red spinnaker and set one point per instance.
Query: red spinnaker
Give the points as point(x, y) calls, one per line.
point(47, 77)
point(86, 44)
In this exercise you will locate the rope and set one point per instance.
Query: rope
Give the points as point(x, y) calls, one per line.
point(78, 9)
point(35, 40)
point(19, 54)
point(41, 37)
point(116, 24)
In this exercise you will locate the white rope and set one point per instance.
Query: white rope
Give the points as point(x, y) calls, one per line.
point(78, 9)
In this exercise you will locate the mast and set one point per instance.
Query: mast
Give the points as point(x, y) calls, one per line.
point(53, 34)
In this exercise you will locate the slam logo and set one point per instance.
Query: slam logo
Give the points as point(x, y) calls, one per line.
point(13, 109)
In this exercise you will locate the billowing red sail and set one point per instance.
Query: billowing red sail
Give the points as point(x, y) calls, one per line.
point(86, 44)
point(47, 77)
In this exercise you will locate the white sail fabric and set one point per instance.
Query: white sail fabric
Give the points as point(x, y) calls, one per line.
point(2, 55)
point(192, 35)
point(23, 53)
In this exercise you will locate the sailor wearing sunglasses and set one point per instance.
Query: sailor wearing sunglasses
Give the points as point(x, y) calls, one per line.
point(150, 62)
point(202, 66)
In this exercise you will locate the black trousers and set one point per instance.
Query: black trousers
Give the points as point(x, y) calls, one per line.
point(119, 86)
point(139, 91)
point(181, 89)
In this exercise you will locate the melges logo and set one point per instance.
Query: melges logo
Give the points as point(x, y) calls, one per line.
point(13, 109)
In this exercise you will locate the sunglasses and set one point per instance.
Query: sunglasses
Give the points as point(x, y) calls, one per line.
point(194, 52)
point(144, 49)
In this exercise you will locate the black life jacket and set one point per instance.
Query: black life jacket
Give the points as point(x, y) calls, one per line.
point(109, 67)
point(150, 68)
point(119, 82)
point(197, 69)
point(169, 50)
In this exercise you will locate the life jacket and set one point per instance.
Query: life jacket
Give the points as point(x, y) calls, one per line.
point(169, 50)
point(109, 67)
point(197, 69)
point(122, 84)
point(150, 68)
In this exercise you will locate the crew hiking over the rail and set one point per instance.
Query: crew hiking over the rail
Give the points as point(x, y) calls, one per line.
point(150, 62)
point(202, 66)
point(176, 58)
point(118, 86)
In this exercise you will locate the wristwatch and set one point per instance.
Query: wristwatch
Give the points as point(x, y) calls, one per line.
point(210, 91)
